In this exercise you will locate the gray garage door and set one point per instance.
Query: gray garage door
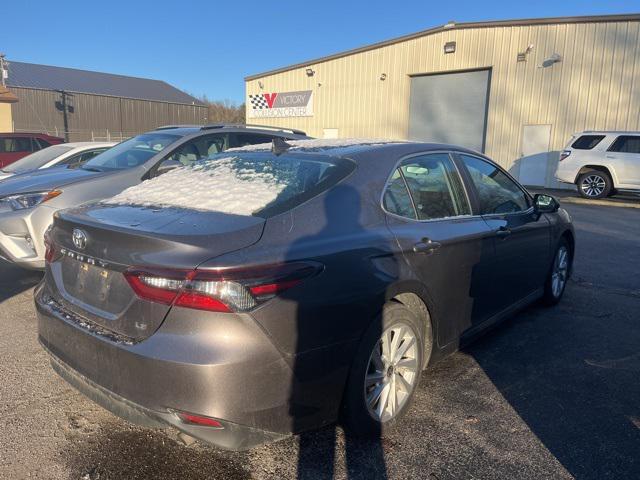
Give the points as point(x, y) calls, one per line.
point(450, 108)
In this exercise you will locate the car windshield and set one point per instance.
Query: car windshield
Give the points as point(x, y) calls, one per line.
point(37, 159)
point(131, 153)
point(257, 184)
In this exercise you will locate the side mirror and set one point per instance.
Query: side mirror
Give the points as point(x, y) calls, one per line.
point(167, 165)
point(545, 203)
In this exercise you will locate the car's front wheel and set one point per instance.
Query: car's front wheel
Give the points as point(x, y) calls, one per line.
point(594, 184)
point(386, 372)
point(558, 274)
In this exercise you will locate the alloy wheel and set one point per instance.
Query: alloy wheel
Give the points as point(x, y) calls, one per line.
point(560, 271)
point(593, 185)
point(392, 372)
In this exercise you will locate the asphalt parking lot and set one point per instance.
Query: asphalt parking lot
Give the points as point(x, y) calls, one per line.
point(552, 393)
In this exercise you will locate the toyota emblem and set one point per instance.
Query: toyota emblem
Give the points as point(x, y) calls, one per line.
point(79, 238)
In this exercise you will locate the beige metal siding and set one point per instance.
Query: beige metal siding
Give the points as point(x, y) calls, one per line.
point(98, 117)
point(595, 86)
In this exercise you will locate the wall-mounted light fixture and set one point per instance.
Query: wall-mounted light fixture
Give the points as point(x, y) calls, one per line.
point(261, 85)
point(383, 76)
point(450, 47)
point(310, 72)
point(548, 62)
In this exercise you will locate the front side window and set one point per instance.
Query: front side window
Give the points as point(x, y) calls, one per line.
point(81, 158)
point(434, 189)
point(131, 153)
point(198, 149)
point(626, 144)
point(497, 193)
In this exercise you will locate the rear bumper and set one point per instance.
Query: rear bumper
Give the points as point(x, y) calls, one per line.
point(231, 437)
point(222, 366)
point(566, 172)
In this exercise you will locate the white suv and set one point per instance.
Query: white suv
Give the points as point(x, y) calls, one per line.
point(601, 163)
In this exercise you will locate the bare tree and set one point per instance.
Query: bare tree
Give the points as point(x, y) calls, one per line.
point(224, 111)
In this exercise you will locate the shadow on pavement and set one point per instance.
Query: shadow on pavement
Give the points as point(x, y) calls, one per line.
point(571, 373)
point(14, 280)
point(121, 452)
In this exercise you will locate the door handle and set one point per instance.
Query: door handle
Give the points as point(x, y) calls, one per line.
point(426, 246)
point(503, 232)
point(610, 156)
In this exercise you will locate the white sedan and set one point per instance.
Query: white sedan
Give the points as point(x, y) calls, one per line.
point(71, 155)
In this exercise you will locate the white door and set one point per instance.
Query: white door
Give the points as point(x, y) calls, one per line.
point(534, 157)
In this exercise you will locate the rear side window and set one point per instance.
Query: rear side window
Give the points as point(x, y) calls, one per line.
point(15, 144)
point(626, 144)
point(434, 186)
point(396, 198)
point(587, 142)
point(497, 193)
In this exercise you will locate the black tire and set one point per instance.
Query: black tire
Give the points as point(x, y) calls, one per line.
point(594, 184)
point(551, 294)
point(356, 417)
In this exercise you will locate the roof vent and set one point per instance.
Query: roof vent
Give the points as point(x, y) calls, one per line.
point(450, 24)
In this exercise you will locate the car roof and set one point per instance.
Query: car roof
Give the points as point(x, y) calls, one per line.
point(230, 127)
point(607, 132)
point(351, 147)
point(88, 144)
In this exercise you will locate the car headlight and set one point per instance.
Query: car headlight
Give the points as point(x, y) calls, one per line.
point(26, 200)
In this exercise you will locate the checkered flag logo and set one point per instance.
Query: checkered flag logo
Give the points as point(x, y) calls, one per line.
point(258, 102)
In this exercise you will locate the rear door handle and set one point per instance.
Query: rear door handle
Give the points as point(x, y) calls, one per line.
point(610, 156)
point(426, 246)
point(503, 232)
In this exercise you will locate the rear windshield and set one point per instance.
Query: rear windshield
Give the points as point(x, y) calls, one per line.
point(37, 159)
point(257, 184)
point(131, 153)
point(587, 142)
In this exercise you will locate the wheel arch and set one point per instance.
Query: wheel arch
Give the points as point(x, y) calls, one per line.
point(569, 236)
point(601, 168)
point(416, 301)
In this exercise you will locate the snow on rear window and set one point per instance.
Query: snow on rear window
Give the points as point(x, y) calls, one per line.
point(251, 184)
point(213, 185)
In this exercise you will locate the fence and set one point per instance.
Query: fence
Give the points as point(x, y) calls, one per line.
point(81, 135)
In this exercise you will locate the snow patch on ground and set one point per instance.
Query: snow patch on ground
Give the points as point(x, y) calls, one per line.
point(317, 144)
point(213, 185)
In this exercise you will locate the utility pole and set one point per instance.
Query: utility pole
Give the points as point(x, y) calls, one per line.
point(66, 109)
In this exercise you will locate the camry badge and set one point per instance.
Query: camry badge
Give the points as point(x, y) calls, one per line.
point(79, 239)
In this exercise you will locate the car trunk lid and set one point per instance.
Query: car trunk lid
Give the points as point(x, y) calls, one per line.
point(89, 272)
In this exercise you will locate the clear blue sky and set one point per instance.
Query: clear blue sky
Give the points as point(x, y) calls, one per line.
point(207, 47)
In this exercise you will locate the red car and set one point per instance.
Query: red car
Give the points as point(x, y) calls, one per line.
point(14, 146)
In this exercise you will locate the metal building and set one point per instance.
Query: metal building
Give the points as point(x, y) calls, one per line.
point(94, 105)
point(516, 90)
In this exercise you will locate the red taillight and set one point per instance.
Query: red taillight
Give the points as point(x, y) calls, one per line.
point(193, 419)
point(564, 154)
point(219, 290)
point(50, 249)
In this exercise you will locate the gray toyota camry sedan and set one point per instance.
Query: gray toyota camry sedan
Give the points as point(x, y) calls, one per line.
point(267, 291)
